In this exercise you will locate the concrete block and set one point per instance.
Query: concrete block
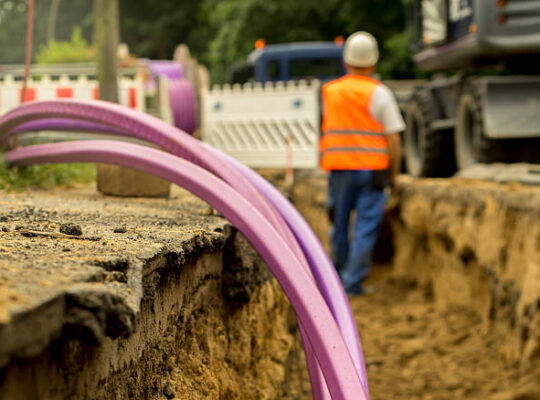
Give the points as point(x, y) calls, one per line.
point(126, 182)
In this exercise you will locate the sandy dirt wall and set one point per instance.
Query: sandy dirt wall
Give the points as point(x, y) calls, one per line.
point(478, 245)
point(467, 243)
point(452, 310)
point(144, 299)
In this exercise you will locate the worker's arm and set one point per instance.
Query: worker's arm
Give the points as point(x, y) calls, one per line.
point(394, 150)
point(385, 109)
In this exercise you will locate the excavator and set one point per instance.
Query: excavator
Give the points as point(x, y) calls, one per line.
point(482, 104)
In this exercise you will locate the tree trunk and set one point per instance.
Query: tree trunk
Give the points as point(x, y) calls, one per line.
point(115, 180)
point(51, 23)
point(106, 40)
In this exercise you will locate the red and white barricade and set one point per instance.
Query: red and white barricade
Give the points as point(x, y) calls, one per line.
point(131, 90)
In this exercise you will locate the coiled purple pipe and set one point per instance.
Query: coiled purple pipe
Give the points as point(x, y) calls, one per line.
point(182, 97)
point(320, 264)
point(311, 309)
point(183, 105)
point(168, 68)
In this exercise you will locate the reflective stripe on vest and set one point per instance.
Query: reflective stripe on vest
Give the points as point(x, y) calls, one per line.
point(352, 138)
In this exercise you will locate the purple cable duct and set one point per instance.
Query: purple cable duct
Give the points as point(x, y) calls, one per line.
point(320, 391)
point(182, 97)
point(183, 105)
point(311, 309)
point(145, 127)
point(170, 69)
point(321, 266)
point(248, 191)
point(67, 125)
point(86, 126)
point(318, 260)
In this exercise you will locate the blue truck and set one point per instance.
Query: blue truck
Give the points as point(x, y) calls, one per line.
point(290, 62)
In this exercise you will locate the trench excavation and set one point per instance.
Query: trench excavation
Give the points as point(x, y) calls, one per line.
point(455, 308)
point(460, 249)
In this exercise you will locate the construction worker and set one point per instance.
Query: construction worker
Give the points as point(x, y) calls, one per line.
point(361, 148)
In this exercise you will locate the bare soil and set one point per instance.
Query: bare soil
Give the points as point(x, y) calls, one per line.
point(112, 298)
point(423, 338)
point(416, 350)
point(456, 315)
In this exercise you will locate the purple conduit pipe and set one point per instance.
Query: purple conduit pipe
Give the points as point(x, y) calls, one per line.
point(311, 309)
point(320, 390)
point(182, 97)
point(66, 125)
point(145, 127)
point(323, 270)
point(170, 69)
point(183, 105)
point(320, 264)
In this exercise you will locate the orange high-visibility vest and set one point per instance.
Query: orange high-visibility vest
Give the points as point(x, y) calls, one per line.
point(351, 137)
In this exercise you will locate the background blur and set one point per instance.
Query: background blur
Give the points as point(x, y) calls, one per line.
point(218, 32)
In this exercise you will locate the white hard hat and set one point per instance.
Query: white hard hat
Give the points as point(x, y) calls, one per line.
point(361, 50)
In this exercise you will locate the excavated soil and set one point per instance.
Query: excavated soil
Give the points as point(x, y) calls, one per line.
point(454, 315)
point(110, 298)
point(455, 311)
point(417, 350)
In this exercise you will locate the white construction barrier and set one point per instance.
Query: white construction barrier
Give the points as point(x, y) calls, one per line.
point(270, 126)
point(131, 90)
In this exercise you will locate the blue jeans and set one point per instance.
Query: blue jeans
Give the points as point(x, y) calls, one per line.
point(348, 190)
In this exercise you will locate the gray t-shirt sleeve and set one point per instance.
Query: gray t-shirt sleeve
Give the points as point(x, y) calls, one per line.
point(384, 109)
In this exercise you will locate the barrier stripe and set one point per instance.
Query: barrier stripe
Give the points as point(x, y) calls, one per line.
point(64, 93)
point(29, 95)
point(132, 102)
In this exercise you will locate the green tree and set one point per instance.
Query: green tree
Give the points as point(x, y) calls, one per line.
point(218, 32)
point(13, 17)
point(153, 29)
point(238, 23)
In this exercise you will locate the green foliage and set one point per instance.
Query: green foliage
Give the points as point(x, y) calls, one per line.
point(222, 32)
point(219, 33)
point(76, 50)
point(153, 29)
point(13, 19)
point(45, 176)
point(238, 23)
point(397, 62)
